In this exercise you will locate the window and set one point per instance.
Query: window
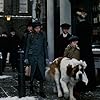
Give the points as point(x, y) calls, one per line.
point(1, 5)
point(96, 23)
point(23, 6)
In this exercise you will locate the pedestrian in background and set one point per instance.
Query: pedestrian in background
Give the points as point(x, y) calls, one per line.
point(36, 55)
point(62, 40)
point(84, 31)
point(28, 30)
point(4, 48)
point(14, 43)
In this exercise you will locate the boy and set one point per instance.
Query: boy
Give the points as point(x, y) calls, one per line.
point(72, 50)
point(62, 39)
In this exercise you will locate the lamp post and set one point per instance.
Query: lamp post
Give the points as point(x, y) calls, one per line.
point(21, 75)
point(8, 17)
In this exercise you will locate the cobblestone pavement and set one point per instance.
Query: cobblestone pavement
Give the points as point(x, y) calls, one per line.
point(9, 87)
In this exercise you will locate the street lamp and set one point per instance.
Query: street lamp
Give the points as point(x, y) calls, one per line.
point(8, 17)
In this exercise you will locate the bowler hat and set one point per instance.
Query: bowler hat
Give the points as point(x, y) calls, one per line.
point(73, 38)
point(36, 23)
point(65, 26)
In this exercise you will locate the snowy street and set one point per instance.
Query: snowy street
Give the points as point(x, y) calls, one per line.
point(9, 89)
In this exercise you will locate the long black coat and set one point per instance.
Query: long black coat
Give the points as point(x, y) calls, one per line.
point(14, 42)
point(36, 53)
point(61, 44)
point(84, 31)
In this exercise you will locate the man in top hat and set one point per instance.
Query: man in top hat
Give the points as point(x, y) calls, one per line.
point(36, 55)
point(62, 40)
point(83, 31)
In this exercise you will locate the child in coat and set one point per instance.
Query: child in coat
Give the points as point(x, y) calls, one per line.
point(72, 50)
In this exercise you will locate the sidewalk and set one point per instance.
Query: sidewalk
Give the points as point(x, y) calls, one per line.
point(9, 85)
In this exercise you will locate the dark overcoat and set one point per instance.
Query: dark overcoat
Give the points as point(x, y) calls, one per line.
point(14, 42)
point(61, 44)
point(84, 31)
point(36, 53)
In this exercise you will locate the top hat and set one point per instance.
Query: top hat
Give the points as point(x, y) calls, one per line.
point(65, 26)
point(73, 38)
point(36, 23)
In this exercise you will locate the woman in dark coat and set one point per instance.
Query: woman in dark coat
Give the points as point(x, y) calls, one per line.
point(36, 54)
point(84, 30)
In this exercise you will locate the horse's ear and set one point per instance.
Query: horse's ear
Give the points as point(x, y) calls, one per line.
point(69, 70)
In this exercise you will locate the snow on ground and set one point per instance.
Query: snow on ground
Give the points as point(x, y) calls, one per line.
point(4, 76)
point(16, 98)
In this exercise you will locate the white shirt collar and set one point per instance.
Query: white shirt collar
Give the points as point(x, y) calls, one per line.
point(65, 35)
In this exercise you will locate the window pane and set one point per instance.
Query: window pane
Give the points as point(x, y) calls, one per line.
point(23, 6)
point(1, 5)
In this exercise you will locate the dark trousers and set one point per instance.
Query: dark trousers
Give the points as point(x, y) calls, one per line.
point(37, 76)
point(14, 59)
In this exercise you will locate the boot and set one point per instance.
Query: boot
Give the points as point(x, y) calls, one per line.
point(41, 90)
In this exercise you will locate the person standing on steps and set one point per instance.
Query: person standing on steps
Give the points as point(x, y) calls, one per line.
point(62, 40)
point(28, 30)
point(84, 31)
point(36, 56)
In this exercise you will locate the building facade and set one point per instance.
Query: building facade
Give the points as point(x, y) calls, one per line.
point(52, 13)
point(49, 12)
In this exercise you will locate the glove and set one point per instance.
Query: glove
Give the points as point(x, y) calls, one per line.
point(47, 61)
point(26, 61)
